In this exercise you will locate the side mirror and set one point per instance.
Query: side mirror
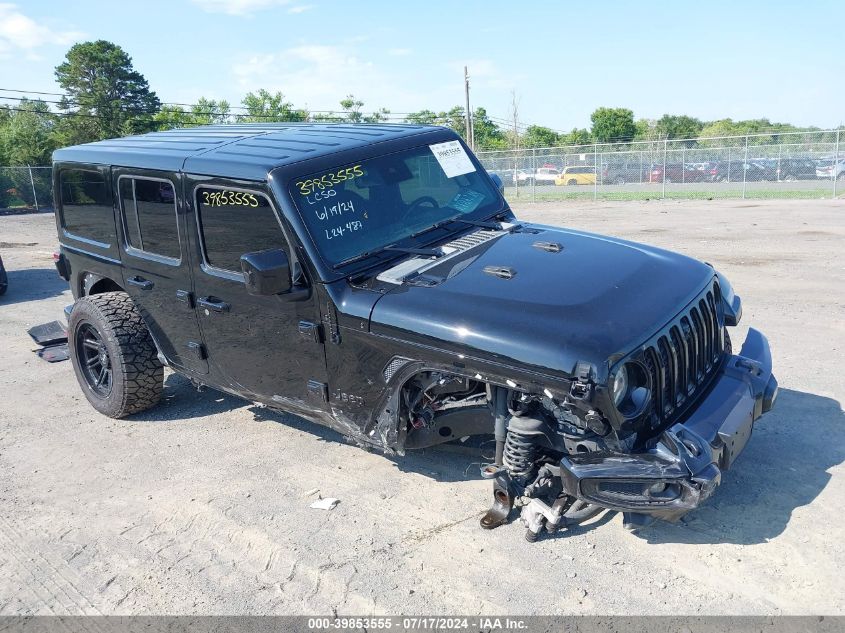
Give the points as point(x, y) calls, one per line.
point(266, 272)
point(497, 181)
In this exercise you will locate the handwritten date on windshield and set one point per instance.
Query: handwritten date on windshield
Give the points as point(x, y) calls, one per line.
point(335, 210)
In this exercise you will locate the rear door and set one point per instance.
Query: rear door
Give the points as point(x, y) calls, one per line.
point(156, 272)
point(268, 347)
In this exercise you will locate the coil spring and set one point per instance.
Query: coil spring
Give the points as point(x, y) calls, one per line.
point(520, 453)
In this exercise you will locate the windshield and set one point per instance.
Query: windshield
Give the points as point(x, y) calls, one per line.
point(362, 207)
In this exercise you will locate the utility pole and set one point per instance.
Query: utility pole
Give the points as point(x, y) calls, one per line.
point(468, 114)
point(515, 107)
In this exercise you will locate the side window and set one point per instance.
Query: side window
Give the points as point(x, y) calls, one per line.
point(86, 205)
point(233, 223)
point(149, 215)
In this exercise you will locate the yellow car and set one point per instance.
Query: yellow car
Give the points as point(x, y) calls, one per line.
point(577, 176)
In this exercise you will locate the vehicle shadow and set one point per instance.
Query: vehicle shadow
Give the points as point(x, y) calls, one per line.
point(33, 284)
point(785, 466)
point(447, 462)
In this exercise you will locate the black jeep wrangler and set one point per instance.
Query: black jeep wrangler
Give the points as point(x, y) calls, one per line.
point(372, 278)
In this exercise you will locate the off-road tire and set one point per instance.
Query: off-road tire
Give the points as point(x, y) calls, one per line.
point(137, 376)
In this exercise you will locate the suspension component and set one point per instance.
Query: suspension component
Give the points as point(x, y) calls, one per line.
point(523, 445)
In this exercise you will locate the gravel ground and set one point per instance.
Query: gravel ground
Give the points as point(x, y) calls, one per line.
point(201, 505)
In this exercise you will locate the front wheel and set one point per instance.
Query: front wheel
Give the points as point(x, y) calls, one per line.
point(572, 182)
point(113, 355)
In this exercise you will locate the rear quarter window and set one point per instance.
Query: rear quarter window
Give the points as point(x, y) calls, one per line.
point(86, 206)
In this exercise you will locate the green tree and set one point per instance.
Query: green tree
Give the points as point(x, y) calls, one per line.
point(765, 130)
point(352, 111)
point(170, 117)
point(576, 137)
point(539, 136)
point(209, 112)
point(487, 134)
point(423, 117)
point(673, 126)
point(27, 134)
point(105, 94)
point(613, 125)
point(264, 107)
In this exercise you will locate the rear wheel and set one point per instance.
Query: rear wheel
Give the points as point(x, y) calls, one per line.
point(113, 355)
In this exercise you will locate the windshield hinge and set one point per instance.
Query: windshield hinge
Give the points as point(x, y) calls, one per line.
point(330, 323)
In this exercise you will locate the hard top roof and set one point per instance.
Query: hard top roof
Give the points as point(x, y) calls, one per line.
point(247, 151)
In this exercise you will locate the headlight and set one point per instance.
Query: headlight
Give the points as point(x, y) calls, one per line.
point(631, 390)
point(620, 385)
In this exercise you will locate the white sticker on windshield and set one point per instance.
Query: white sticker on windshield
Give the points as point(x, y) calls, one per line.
point(452, 158)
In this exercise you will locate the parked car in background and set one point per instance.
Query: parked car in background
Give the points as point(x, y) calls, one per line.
point(582, 175)
point(795, 169)
point(677, 172)
point(541, 176)
point(625, 172)
point(4, 280)
point(731, 171)
point(827, 170)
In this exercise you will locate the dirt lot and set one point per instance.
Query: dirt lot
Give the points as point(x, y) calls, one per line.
point(199, 506)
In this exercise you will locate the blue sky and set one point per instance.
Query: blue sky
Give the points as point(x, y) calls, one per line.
point(713, 59)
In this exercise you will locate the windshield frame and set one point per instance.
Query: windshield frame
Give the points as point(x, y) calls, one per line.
point(328, 270)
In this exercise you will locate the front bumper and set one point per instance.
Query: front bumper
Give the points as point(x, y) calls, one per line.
point(685, 464)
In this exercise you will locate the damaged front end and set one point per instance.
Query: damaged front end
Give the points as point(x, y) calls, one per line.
point(683, 466)
point(653, 448)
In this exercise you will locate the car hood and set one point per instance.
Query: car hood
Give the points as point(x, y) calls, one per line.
point(595, 299)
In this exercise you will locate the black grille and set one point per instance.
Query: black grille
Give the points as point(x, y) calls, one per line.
point(682, 357)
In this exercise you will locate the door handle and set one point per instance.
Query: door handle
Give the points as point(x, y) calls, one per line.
point(213, 303)
point(143, 284)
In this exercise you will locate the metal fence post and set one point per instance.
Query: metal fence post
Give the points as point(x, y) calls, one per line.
point(32, 184)
point(534, 175)
point(744, 167)
point(835, 162)
point(595, 172)
point(663, 191)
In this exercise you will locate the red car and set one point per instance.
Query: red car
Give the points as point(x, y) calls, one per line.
point(676, 173)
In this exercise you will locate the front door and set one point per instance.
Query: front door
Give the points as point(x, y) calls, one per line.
point(264, 347)
point(156, 269)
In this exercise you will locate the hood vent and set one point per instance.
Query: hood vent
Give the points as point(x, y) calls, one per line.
point(417, 265)
point(549, 247)
point(502, 272)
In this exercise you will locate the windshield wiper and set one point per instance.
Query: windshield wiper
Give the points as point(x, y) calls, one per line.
point(481, 223)
point(431, 252)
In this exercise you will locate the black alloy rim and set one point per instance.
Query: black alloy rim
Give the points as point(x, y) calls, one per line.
point(94, 360)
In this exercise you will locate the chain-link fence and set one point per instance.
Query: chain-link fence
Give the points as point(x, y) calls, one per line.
point(786, 165)
point(26, 187)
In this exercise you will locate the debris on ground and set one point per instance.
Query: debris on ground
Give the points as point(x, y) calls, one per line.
point(325, 504)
